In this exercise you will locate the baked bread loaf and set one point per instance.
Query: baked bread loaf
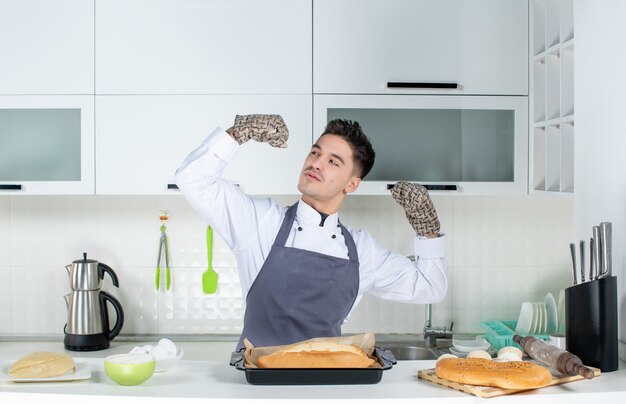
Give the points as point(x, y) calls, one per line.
point(318, 354)
point(42, 364)
point(485, 372)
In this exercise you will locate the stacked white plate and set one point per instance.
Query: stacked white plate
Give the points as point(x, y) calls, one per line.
point(560, 307)
point(538, 317)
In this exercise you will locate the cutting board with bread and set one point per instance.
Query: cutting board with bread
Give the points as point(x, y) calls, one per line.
point(484, 377)
point(490, 391)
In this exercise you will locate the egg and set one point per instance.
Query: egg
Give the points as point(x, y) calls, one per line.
point(138, 350)
point(508, 357)
point(479, 353)
point(159, 353)
point(169, 346)
point(511, 349)
point(447, 355)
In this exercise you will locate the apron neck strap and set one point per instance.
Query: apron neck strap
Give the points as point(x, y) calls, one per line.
point(286, 226)
point(285, 230)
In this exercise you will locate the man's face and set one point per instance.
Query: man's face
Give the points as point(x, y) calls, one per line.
point(328, 170)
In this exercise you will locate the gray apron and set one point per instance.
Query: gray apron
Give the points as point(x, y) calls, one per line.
point(300, 294)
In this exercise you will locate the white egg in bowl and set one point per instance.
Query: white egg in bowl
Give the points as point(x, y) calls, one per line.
point(166, 354)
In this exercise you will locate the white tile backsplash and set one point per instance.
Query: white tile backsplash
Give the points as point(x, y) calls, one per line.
point(37, 303)
point(5, 233)
point(6, 311)
point(502, 250)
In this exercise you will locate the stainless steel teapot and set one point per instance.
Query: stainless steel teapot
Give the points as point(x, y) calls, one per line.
point(87, 327)
point(87, 274)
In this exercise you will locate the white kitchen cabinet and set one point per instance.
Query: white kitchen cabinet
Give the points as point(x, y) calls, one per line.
point(359, 46)
point(47, 47)
point(203, 47)
point(141, 141)
point(452, 144)
point(46, 145)
point(552, 97)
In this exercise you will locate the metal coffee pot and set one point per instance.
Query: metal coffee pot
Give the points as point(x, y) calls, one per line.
point(87, 327)
point(87, 274)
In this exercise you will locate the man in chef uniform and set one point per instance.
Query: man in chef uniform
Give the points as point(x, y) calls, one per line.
point(302, 270)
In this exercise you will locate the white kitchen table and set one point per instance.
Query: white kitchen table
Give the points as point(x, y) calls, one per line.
point(205, 373)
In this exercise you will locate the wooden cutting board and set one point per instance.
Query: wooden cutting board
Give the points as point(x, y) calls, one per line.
point(486, 391)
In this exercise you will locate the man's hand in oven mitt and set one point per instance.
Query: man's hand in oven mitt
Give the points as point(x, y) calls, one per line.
point(418, 208)
point(262, 128)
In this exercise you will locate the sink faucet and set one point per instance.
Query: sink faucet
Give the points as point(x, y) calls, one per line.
point(432, 334)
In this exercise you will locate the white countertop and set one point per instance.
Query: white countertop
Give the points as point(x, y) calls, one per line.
point(205, 373)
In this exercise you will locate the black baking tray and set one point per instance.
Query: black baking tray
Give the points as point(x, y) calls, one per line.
point(315, 376)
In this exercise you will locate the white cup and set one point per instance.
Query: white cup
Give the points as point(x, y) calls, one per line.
point(557, 340)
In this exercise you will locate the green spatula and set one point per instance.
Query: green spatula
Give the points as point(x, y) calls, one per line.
point(209, 277)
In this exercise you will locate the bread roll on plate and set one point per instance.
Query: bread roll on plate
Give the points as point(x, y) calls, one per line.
point(485, 372)
point(42, 365)
point(318, 354)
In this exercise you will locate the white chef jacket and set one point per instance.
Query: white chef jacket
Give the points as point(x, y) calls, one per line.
point(249, 226)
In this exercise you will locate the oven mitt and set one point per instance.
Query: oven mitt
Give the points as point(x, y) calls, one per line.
point(417, 206)
point(262, 128)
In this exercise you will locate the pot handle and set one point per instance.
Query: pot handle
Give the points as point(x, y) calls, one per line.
point(102, 268)
point(110, 334)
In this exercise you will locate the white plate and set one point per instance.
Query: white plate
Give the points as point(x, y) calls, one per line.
point(491, 351)
point(543, 318)
point(83, 371)
point(524, 321)
point(469, 345)
point(561, 312)
point(552, 314)
point(164, 365)
point(535, 323)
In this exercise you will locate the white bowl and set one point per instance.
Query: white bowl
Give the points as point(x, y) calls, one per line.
point(163, 365)
point(469, 345)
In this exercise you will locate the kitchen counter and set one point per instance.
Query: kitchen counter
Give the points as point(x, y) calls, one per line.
point(205, 373)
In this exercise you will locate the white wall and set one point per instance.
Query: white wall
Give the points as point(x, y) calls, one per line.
point(501, 250)
point(600, 160)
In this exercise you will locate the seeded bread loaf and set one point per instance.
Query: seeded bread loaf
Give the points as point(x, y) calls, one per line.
point(486, 372)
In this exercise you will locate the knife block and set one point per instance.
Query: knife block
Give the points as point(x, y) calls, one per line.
point(591, 323)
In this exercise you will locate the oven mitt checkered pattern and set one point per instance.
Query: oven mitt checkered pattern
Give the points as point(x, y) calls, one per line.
point(417, 206)
point(262, 128)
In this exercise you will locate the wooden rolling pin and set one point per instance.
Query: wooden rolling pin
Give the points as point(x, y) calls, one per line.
point(559, 359)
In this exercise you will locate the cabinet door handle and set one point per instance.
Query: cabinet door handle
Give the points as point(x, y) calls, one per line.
point(418, 84)
point(175, 187)
point(433, 187)
point(10, 187)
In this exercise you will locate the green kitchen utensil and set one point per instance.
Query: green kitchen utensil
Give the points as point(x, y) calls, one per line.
point(163, 249)
point(209, 277)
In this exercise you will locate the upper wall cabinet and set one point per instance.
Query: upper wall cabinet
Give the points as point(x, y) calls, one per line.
point(552, 97)
point(46, 145)
point(203, 47)
point(142, 140)
point(420, 47)
point(46, 47)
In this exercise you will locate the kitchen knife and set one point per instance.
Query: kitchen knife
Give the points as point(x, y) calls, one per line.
point(606, 249)
point(572, 250)
point(596, 252)
point(591, 260)
point(582, 261)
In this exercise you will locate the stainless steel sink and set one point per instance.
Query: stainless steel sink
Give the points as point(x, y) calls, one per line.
point(407, 353)
point(411, 350)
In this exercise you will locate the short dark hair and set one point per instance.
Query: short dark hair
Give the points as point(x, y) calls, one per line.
point(362, 149)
